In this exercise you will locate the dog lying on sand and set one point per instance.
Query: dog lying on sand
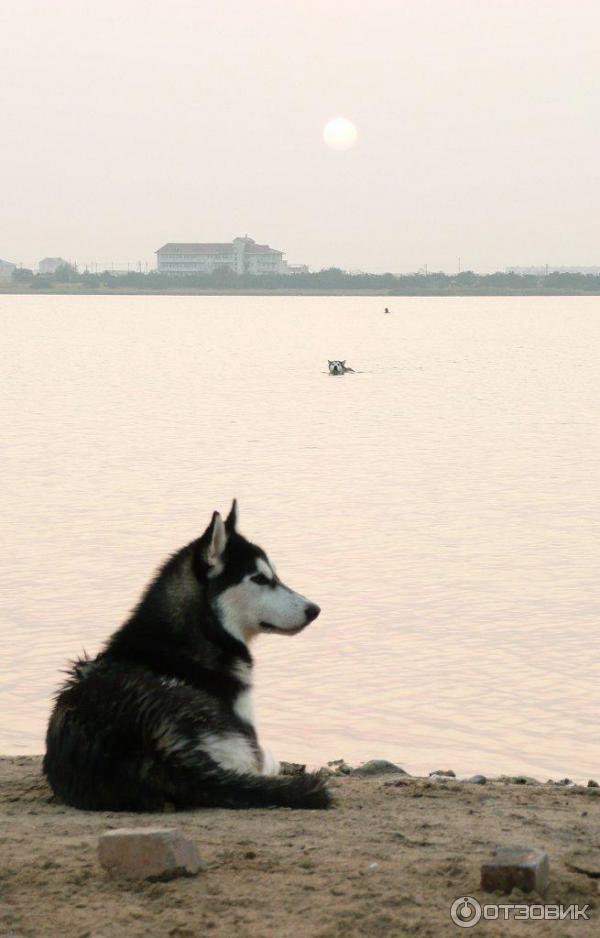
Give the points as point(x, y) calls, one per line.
point(163, 715)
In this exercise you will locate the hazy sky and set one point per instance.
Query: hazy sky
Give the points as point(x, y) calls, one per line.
point(127, 124)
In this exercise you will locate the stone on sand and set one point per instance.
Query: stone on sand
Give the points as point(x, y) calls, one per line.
point(339, 767)
point(292, 768)
point(154, 853)
point(522, 867)
point(378, 767)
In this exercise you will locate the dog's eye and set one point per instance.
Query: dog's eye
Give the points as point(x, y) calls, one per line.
point(261, 579)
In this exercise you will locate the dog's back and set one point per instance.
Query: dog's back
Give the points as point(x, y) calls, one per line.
point(100, 753)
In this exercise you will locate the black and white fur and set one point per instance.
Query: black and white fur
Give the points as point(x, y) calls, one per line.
point(339, 367)
point(163, 715)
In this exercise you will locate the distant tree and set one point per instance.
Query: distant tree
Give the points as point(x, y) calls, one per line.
point(332, 278)
point(223, 276)
point(22, 275)
point(466, 277)
point(66, 273)
point(89, 280)
point(41, 283)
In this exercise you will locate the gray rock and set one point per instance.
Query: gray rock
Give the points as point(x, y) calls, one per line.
point(476, 780)
point(340, 767)
point(378, 767)
point(516, 867)
point(154, 853)
point(447, 773)
point(291, 768)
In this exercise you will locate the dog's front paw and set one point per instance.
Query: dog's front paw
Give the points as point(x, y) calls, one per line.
point(270, 764)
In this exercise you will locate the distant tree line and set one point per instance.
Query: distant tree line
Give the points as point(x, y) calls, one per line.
point(332, 278)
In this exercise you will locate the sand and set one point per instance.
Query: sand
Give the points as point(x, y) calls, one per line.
point(387, 861)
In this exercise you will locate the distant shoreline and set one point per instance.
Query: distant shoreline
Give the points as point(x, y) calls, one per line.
point(10, 290)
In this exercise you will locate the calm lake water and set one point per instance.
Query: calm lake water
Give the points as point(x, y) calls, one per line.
point(442, 506)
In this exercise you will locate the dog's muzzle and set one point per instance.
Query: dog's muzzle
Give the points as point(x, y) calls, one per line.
point(311, 612)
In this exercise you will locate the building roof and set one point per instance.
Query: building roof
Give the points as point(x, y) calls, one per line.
point(176, 247)
point(261, 249)
point(181, 248)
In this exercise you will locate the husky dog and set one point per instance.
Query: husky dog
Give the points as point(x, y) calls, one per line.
point(163, 715)
point(339, 367)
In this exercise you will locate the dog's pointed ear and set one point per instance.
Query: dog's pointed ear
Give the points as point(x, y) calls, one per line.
point(232, 518)
point(215, 540)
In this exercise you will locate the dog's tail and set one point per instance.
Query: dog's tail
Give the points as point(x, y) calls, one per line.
point(234, 790)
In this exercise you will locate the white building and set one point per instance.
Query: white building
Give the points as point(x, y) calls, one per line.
point(6, 271)
point(50, 265)
point(242, 256)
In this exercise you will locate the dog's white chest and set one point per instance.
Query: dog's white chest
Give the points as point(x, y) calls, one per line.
point(244, 706)
point(232, 751)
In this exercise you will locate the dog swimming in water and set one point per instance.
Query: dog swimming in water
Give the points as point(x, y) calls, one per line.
point(339, 367)
point(163, 715)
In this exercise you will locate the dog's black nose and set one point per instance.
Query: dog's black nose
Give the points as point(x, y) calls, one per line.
point(311, 612)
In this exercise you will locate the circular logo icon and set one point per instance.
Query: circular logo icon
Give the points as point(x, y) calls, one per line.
point(465, 911)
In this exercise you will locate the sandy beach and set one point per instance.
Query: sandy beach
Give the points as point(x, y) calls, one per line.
point(388, 860)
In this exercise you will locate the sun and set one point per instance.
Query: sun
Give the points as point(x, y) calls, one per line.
point(340, 133)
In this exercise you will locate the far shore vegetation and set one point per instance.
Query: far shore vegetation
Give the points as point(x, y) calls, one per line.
point(68, 279)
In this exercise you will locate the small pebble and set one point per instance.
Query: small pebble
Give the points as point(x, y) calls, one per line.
point(291, 768)
point(517, 780)
point(449, 773)
point(340, 767)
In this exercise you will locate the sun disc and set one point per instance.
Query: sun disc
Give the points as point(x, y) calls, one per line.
point(340, 133)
